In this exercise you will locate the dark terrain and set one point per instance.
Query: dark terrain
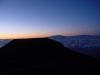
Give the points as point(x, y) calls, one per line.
point(41, 55)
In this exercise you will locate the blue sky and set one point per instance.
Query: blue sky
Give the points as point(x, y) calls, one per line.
point(40, 18)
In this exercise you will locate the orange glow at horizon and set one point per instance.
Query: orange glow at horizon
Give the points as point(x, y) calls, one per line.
point(21, 36)
point(28, 36)
point(41, 35)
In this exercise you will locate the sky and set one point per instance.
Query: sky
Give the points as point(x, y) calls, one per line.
point(42, 18)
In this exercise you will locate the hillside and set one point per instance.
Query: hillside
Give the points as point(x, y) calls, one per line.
point(29, 56)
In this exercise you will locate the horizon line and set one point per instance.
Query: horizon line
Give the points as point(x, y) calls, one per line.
point(46, 36)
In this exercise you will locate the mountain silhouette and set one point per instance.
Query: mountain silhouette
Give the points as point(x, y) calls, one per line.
point(41, 55)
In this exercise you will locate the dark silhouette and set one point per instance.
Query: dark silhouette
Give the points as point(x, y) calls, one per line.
point(41, 55)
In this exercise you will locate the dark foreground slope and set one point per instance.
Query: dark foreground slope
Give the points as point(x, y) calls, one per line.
point(29, 56)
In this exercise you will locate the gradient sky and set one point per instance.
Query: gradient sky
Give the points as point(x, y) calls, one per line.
point(40, 18)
